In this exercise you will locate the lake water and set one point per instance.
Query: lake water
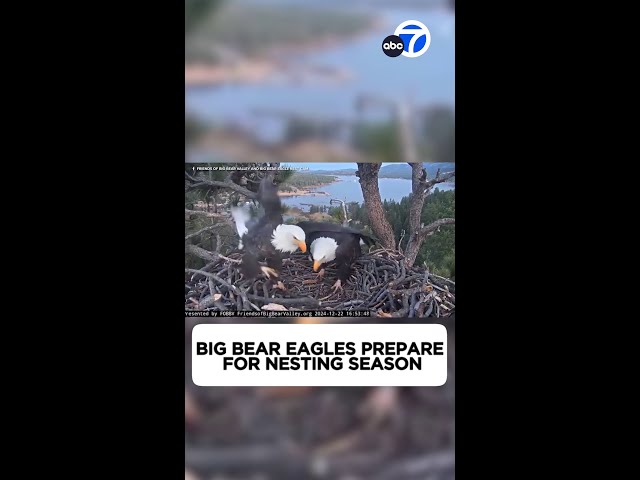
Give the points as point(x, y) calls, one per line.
point(429, 79)
point(348, 188)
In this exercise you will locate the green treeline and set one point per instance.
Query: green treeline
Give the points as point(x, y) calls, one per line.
point(437, 251)
point(305, 180)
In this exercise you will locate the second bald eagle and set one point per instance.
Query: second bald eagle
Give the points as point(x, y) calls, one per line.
point(328, 242)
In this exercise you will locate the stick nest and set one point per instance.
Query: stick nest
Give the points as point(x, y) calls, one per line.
point(379, 282)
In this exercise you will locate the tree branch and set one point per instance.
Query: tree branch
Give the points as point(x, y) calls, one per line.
point(231, 287)
point(200, 212)
point(210, 227)
point(198, 182)
point(206, 254)
point(345, 222)
point(439, 179)
point(424, 231)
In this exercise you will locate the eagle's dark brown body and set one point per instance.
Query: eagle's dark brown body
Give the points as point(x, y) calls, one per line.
point(348, 240)
point(257, 241)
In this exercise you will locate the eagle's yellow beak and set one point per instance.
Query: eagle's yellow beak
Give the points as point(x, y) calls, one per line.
point(302, 245)
point(316, 266)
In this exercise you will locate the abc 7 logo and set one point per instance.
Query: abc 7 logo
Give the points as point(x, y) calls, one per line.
point(392, 46)
point(411, 39)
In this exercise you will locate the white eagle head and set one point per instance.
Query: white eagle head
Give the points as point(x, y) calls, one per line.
point(323, 250)
point(288, 238)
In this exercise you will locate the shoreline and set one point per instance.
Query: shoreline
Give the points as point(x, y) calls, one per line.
point(307, 191)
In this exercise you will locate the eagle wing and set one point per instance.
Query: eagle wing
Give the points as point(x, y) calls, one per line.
point(319, 229)
point(241, 217)
point(348, 250)
point(257, 241)
point(270, 201)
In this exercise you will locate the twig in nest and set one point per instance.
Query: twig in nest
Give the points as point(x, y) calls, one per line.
point(379, 281)
point(202, 230)
point(232, 260)
point(206, 254)
point(200, 212)
point(231, 287)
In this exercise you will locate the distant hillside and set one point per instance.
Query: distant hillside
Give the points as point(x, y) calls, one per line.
point(344, 171)
point(403, 170)
point(306, 180)
point(399, 170)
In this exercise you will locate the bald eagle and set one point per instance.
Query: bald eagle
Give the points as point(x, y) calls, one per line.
point(328, 242)
point(267, 238)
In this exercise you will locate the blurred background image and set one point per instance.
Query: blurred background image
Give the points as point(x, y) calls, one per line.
point(293, 82)
point(298, 433)
point(301, 81)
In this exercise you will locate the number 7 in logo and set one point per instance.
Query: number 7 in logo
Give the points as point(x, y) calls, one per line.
point(416, 38)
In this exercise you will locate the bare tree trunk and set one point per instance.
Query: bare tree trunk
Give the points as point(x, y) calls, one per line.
point(368, 174)
point(345, 218)
point(418, 195)
point(420, 187)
